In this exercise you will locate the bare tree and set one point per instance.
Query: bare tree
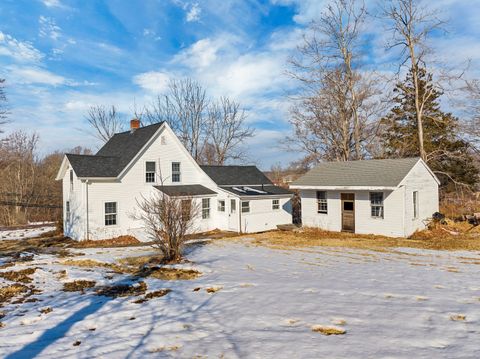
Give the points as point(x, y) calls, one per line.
point(104, 122)
point(472, 105)
point(332, 117)
point(226, 132)
point(411, 25)
point(3, 101)
point(168, 220)
point(184, 108)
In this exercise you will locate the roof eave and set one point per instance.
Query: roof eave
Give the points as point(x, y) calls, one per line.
point(344, 188)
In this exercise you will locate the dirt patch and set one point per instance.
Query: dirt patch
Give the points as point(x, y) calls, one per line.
point(140, 261)
point(121, 241)
point(123, 290)
point(90, 263)
point(328, 330)
point(311, 237)
point(46, 310)
point(171, 273)
point(23, 276)
point(11, 291)
point(157, 293)
point(213, 289)
point(34, 245)
point(458, 317)
point(78, 285)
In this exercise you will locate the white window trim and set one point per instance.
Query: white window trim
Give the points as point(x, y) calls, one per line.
point(242, 208)
point(154, 173)
point(68, 211)
point(179, 172)
point(207, 208)
point(116, 214)
point(318, 202)
point(219, 207)
point(383, 204)
point(416, 204)
point(70, 179)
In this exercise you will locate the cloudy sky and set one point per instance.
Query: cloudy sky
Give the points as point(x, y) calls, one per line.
point(61, 56)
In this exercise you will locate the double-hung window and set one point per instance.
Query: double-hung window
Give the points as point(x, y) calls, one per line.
point(71, 180)
point(376, 204)
point(221, 205)
point(415, 204)
point(110, 213)
point(176, 174)
point(150, 172)
point(322, 206)
point(245, 206)
point(205, 208)
point(275, 204)
point(67, 211)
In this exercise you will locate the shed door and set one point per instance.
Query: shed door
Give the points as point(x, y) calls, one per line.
point(233, 216)
point(348, 212)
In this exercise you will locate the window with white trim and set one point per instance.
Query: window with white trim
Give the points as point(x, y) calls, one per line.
point(67, 211)
point(415, 204)
point(275, 204)
point(150, 168)
point(245, 206)
point(376, 204)
point(71, 180)
point(205, 208)
point(322, 206)
point(110, 213)
point(221, 205)
point(176, 174)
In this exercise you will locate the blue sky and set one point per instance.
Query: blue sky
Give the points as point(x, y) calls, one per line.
point(59, 57)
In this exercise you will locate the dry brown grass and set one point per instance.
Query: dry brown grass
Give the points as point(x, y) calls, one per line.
point(328, 330)
point(78, 285)
point(121, 241)
point(23, 275)
point(11, 291)
point(123, 290)
point(172, 273)
point(213, 289)
point(435, 238)
point(90, 263)
point(34, 245)
point(157, 293)
point(458, 317)
point(140, 261)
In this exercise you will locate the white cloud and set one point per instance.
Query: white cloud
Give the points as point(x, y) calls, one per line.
point(153, 81)
point(22, 51)
point(193, 13)
point(48, 28)
point(201, 54)
point(52, 3)
point(35, 75)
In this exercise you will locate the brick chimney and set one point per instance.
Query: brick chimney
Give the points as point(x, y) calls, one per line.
point(134, 124)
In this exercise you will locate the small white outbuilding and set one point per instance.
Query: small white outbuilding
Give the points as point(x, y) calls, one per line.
point(391, 197)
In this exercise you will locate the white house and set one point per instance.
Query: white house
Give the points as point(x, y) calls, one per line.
point(100, 192)
point(391, 197)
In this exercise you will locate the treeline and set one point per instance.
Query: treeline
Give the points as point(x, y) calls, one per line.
point(346, 110)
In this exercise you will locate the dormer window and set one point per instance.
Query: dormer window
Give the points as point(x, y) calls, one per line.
point(150, 172)
point(176, 174)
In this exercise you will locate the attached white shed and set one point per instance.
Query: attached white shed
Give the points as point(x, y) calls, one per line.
point(391, 197)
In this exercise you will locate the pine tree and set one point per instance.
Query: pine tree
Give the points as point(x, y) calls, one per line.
point(446, 153)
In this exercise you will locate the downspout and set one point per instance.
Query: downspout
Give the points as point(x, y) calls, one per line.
point(87, 219)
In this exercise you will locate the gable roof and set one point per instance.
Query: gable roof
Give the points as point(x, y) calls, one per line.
point(364, 173)
point(115, 155)
point(236, 175)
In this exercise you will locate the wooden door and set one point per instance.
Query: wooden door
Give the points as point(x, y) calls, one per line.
point(348, 212)
point(233, 216)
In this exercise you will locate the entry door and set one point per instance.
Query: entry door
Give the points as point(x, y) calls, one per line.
point(233, 216)
point(348, 212)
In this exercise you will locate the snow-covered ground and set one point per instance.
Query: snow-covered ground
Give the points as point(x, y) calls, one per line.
point(24, 233)
point(396, 303)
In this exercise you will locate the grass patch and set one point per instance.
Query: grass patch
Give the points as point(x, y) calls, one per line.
point(213, 289)
point(140, 261)
point(11, 291)
point(121, 241)
point(328, 330)
point(90, 263)
point(23, 276)
point(157, 293)
point(171, 273)
point(458, 317)
point(34, 245)
point(78, 285)
point(123, 290)
point(311, 237)
point(46, 310)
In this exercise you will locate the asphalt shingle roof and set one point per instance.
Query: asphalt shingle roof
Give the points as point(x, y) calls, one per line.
point(236, 175)
point(115, 155)
point(368, 173)
point(185, 190)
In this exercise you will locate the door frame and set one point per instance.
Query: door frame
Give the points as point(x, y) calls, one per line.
point(347, 197)
point(233, 224)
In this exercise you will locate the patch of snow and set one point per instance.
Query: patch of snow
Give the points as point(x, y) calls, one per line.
point(16, 234)
point(264, 303)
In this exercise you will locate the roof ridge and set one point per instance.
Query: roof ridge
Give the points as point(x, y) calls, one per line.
point(140, 128)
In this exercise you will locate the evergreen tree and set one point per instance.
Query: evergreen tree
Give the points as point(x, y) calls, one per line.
point(447, 154)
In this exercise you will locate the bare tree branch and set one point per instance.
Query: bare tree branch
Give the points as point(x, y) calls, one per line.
point(104, 122)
